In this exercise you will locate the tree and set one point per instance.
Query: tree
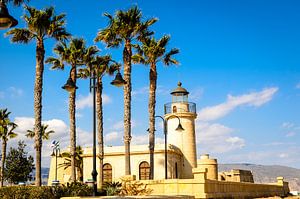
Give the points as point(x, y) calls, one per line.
point(45, 133)
point(41, 24)
point(73, 55)
point(78, 162)
point(19, 165)
point(6, 132)
point(99, 66)
point(125, 27)
point(150, 53)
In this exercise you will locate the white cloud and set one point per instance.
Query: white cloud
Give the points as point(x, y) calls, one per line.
point(283, 155)
point(87, 101)
point(145, 90)
point(140, 91)
point(217, 138)
point(15, 92)
point(287, 125)
point(290, 129)
point(61, 134)
point(118, 126)
point(144, 139)
point(298, 86)
point(255, 99)
point(274, 144)
point(290, 134)
point(113, 136)
point(196, 94)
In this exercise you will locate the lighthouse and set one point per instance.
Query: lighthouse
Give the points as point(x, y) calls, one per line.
point(183, 111)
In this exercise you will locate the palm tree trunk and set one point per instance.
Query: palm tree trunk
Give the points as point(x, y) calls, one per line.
point(99, 109)
point(3, 161)
point(38, 88)
point(72, 108)
point(127, 53)
point(151, 108)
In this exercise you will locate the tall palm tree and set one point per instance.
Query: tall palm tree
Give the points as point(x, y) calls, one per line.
point(45, 133)
point(6, 132)
point(73, 55)
point(99, 66)
point(150, 53)
point(41, 24)
point(124, 28)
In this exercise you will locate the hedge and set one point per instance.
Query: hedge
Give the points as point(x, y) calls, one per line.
point(44, 192)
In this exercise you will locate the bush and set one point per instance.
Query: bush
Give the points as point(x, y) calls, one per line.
point(112, 188)
point(45, 192)
point(133, 188)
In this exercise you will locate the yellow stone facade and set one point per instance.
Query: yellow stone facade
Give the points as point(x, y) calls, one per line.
point(186, 174)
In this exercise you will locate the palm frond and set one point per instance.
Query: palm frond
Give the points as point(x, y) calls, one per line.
point(55, 63)
point(20, 35)
point(138, 59)
point(168, 57)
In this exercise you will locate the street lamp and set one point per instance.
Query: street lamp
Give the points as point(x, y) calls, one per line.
point(118, 81)
point(6, 20)
point(70, 87)
point(165, 128)
point(56, 149)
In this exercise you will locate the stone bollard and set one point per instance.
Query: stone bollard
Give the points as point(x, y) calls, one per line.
point(280, 181)
point(200, 174)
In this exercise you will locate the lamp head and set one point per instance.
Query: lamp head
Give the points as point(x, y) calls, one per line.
point(6, 20)
point(118, 81)
point(179, 127)
point(70, 85)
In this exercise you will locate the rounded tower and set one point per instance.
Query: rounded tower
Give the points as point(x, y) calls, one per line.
point(184, 139)
point(210, 164)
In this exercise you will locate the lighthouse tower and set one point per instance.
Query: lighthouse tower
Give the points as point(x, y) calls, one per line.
point(180, 109)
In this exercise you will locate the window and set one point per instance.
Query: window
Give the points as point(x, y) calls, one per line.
point(144, 171)
point(174, 109)
point(176, 170)
point(107, 173)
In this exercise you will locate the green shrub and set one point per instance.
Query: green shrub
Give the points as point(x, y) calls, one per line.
point(112, 188)
point(45, 192)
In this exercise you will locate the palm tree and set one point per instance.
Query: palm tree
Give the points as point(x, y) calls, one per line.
point(78, 162)
point(6, 132)
point(45, 133)
point(125, 27)
point(41, 24)
point(99, 65)
point(73, 55)
point(150, 53)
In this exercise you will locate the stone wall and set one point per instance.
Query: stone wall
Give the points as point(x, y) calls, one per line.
point(201, 187)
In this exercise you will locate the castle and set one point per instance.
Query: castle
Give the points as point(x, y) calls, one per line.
point(176, 168)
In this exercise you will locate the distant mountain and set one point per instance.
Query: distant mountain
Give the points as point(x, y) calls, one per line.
point(268, 174)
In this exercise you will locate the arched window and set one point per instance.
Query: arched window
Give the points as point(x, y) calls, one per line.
point(174, 109)
point(176, 170)
point(144, 171)
point(107, 173)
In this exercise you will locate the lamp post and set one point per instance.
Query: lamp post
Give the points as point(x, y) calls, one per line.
point(6, 20)
point(70, 86)
point(165, 128)
point(56, 150)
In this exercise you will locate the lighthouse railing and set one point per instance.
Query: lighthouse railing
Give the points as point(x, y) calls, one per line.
point(189, 107)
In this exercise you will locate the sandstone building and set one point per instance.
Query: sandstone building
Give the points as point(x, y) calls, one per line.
point(186, 174)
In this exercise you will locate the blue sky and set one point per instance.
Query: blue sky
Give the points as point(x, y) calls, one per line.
point(238, 59)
